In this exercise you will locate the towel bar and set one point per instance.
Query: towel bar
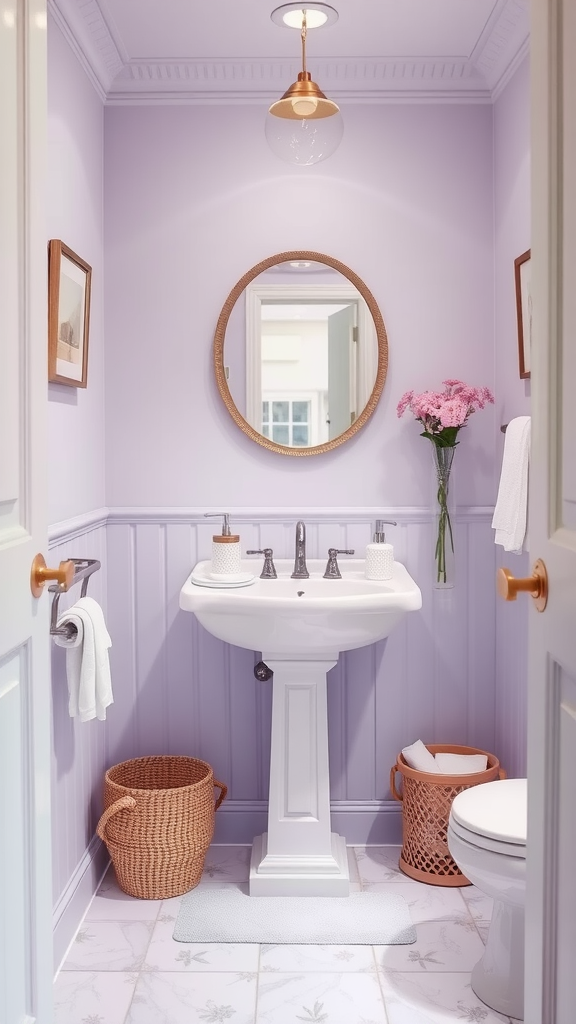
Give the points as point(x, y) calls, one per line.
point(83, 569)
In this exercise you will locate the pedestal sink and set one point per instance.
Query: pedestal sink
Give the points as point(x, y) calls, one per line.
point(300, 626)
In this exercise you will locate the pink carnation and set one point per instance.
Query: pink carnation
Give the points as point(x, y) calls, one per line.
point(404, 402)
point(453, 412)
point(438, 410)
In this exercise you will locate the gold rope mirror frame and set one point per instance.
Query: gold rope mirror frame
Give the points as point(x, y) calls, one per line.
point(219, 336)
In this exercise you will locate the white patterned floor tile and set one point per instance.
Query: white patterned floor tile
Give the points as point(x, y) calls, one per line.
point(227, 863)
point(434, 999)
point(480, 907)
point(111, 903)
point(319, 999)
point(109, 946)
point(449, 945)
point(211, 998)
point(88, 997)
point(164, 954)
point(379, 864)
point(426, 902)
point(340, 959)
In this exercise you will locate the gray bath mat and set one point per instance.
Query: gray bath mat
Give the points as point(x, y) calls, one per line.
point(229, 915)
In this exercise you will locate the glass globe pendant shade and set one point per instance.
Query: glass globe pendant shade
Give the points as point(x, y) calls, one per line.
point(304, 141)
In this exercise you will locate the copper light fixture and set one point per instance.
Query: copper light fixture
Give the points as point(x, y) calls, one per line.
point(304, 126)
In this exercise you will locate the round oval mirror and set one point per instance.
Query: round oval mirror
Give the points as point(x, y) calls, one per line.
point(300, 353)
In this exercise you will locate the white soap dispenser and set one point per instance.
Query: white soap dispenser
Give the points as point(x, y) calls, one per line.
point(379, 554)
point(225, 549)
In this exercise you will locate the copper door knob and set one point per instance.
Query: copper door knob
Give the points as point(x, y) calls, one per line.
point(40, 574)
point(536, 585)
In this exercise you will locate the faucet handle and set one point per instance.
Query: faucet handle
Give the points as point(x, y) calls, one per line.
point(268, 569)
point(332, 567)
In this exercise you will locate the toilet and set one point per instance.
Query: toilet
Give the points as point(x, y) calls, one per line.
point(487, 839)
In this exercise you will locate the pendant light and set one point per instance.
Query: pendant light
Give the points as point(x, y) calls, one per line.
point(304, 126)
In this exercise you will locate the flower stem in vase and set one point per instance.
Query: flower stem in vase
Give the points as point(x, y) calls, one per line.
point(444, 551)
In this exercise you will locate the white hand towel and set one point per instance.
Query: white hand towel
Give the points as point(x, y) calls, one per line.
point(87, 662)
point(461, 764)
point(511, 511)
point(419, 757)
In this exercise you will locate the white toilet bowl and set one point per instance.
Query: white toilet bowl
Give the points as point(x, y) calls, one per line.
point(487, 839)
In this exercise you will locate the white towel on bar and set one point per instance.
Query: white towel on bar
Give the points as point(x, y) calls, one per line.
point(419, 757)
point(461, 764)
point(511, 511)
point(87, 662)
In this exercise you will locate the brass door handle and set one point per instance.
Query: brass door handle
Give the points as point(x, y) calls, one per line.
point(40, 574)
point(536, 585)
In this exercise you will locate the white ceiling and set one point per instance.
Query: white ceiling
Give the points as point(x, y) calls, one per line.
point(139, 51)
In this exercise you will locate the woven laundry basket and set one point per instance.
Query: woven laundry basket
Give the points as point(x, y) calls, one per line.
point(158, 823)
point(426, 800)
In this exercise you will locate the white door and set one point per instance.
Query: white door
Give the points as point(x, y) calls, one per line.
point(341, 382)
point(25, 874)
point(551, 888)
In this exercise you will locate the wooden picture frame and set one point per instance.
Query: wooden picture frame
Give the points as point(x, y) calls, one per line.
point(69, 281)
point(522, 278)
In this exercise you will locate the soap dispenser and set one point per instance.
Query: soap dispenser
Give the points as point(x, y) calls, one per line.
point(380, 554)
point(225, 548)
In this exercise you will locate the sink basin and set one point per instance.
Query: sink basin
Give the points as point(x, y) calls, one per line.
point(301, 626)
point(313, 616)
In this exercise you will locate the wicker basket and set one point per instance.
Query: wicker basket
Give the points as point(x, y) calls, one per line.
point(426, 800)
point(158, 823)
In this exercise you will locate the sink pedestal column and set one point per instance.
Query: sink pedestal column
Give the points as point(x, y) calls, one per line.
point(299, 855)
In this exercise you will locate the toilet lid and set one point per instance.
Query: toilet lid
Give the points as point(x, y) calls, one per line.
point(494, 809)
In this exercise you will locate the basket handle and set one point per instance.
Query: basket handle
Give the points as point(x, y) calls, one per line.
point(124, 803)
point(393, 790)
point(223, 790)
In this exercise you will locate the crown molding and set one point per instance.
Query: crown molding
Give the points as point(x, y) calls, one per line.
point(257, 81)
point(83, 26)
point(504, 43)
point(121, 81)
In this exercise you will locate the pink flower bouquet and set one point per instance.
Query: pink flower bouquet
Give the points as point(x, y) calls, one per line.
point(443, 414)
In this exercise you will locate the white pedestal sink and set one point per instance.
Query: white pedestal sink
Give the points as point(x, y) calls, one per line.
point(300, 626)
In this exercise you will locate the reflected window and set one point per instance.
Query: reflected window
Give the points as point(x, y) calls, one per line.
point(286, 421)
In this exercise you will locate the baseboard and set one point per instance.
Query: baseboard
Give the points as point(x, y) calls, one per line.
point(373, 822)
point(73, 902)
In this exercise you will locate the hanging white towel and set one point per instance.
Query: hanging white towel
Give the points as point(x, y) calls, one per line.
point(87, 662)
point(511, 511)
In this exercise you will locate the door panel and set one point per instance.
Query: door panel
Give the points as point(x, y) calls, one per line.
point(25, 870)
point(551, 883)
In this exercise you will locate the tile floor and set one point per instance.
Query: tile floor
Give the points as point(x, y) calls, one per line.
point(124, 967)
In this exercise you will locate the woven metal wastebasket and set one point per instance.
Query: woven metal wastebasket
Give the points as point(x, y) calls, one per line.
point(158, 823)
point(426, 800)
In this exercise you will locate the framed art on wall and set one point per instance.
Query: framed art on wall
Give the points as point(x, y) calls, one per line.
point(69, 279)
point(523, 311)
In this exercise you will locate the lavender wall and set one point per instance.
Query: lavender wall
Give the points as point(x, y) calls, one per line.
point(511, 238)
point(76, 474)
point(75, 215)
point(194, 198)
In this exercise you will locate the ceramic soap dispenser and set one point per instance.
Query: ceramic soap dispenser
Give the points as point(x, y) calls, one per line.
point(379, 554)
point(225, 549)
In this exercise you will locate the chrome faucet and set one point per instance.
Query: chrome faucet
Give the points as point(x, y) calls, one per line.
point(300, 570)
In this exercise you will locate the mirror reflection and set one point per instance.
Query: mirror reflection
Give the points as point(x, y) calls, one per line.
point(300, 354)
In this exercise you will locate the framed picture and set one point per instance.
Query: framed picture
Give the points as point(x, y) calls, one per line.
point(523, 311)
point(69, 279)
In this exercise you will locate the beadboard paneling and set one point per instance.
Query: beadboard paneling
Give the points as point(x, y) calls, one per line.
point(179, 690)
point(79, 750)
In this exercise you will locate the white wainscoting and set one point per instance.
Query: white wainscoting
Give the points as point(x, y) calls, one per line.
point(447, 674)
point(179, 690)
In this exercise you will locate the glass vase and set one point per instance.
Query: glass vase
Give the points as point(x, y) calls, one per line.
point(443, 535)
